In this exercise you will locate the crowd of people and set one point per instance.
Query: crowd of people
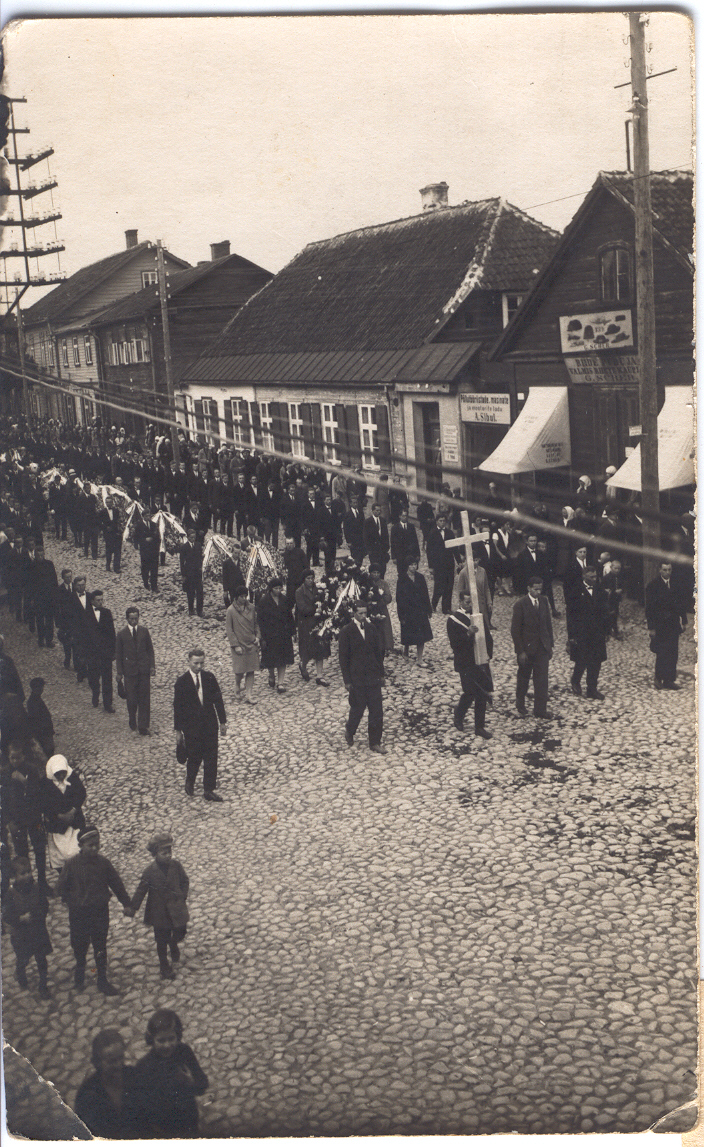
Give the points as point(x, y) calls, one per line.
point(86, 480)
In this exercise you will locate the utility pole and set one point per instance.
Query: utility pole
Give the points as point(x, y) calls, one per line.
point(164, 299)
point(645, 297)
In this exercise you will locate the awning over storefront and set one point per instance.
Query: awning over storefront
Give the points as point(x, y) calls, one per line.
point(539, 438)
point(675, 445)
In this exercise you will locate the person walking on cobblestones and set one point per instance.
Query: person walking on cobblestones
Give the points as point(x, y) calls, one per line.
point(666, 618)
point(243, 637)
point(165, 884)
point(135, 667)
point(198, 707)
point(362, 665)
point(101, 652)
point(477, 685)
point(86, 883)
point(531, 630)
point(25, 910)
point(587, 627)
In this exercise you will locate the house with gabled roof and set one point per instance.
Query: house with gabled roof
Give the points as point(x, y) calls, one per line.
point(57, 334)
point(573, 345)
point(369, 348)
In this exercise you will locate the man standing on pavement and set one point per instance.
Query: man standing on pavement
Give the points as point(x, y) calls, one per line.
point(198, 707)
point(361, 655)
point(376, 538)
point(666, 618)
point(112, 533)
point(404, 542)
point(44, 592)
point(587, 626)
point(101, 652)
point(441, 562)
point(353, 524)
point(81, 626)
point(531, 630)
point(134, 655)
point(477, 685)
point(191, 559)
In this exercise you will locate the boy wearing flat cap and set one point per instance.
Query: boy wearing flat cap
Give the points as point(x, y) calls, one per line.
point(165, 885)
point(86, 884)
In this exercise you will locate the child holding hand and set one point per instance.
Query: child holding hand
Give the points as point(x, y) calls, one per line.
point(25, 910)
point(165, 885)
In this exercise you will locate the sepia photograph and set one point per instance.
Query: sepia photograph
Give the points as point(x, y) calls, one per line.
point(348, 663)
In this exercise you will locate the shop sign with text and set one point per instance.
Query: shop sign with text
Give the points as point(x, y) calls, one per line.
point(612, 369)
point(603, 330)
point(491, 408)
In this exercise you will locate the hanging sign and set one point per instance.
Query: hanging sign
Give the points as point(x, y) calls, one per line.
point(602, 330)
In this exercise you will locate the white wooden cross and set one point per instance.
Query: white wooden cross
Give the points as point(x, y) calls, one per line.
point(481, 654)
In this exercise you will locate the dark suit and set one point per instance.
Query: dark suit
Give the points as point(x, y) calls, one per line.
point(44, 593)
point(101, 654)
point(191, 559)
point(475, 679)
point(362, 666)
point(442, 562)
point(199, 725)
point(232, 579)
point(525, 566)
point(112, 533)
point(134, 658)
point(666, 615)
point(81, 621)
point(531, 630)
point(353, 524)
point(64, 595)
point(587, 626)
point(376, 541)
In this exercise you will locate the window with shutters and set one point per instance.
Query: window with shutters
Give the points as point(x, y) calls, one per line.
point(295, 423)
point(615, 281)
point(76, 352)
point(64, 352)
point(369, 436)
point(331, 433)
point(51, 352)
point(207, 419)
point(127, 352)
point(266, 421)
point(241, 422)
point(87, 350)
point(42, 351)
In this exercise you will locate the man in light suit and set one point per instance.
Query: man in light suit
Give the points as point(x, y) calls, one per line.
point(362, 664)
point(531, 630)
point(134, 655)
point(198, 707)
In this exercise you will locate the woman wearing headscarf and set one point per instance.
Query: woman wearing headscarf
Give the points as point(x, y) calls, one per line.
point(378, 599)
point(311, 646)
point(243, 636)
point(276, 629)
point(414, 610)
point(61, 798)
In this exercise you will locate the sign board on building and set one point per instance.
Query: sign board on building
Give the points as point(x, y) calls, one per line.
point(492, 408)
point(611, 369)
point(450, 442)
point(604, 330)
point(634, 431)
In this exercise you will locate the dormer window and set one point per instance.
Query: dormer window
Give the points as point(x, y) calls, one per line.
point(509, 305)
point(615, 281)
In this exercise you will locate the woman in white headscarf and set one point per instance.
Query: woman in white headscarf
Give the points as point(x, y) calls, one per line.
point(62, 796)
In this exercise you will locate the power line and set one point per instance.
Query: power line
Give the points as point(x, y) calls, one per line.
point(480, 508)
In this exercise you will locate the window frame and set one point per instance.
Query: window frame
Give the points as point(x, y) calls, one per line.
point(331, 433)
point(295, 427)
point(76, 350)
point(265, 420)
point(87, 350)
point(64, 353)
point(618, 297)
point(369, 437)
point(508, 310)
point(150, 279)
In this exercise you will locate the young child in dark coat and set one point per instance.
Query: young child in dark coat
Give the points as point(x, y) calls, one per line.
point(40, 720)
point(167, 1080)
point(165, 884)
point(25, 911)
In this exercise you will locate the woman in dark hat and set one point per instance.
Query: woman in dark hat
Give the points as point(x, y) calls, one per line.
point(276, 629)
point(414, 610)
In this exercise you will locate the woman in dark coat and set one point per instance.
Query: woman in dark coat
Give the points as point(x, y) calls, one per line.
point(311, 647)
point(61, 798)
point(276, 630)
point(105, 1101)
point(414, 610)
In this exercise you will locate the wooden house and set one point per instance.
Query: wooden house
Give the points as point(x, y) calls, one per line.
point(577, 331)
point(369, 349)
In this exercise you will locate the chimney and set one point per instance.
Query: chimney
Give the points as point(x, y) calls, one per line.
point(219, 250)
point(131, 239)
point(434, 196)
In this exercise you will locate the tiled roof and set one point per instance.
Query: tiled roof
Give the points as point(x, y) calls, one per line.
point(435, 362)
point(133, 306)
point(389, 287)
point(53, 307)
point(672, 198)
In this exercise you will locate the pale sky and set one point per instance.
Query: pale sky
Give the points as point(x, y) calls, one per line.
point(273, 132)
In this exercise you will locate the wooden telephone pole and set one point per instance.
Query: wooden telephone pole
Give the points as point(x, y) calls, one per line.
point(645, 297)
point(164, 299)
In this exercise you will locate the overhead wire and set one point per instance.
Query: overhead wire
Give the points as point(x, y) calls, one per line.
point(477, 507)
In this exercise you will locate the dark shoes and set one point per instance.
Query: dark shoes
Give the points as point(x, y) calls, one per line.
point(96, 702)
point(133, 726)
point(107, 988)
point(21, 978)
point(175, 954)
point(521, 710)
point(544, 716)
point(377, 749)
point(108, 708)
point(188, 788)
point(576, 689)
point(280, 688)
point(304, 672)
point(211, 796)
point(670, 685)
point(348, 737)
point(271, 683)
point(323, 682)
point(458, 723)
point(44, 993)
point(484, 733)
point(596, 696)
point(167, 973)
point(144, 733)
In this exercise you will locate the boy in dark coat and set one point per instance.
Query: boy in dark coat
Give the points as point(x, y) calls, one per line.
point(86, 884)
point(25, 911)
point(165, 885)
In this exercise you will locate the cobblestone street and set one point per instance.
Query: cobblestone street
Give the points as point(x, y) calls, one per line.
point(460, 937)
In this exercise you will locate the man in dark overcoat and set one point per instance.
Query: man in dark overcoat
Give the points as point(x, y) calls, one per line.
point(442, 562)
point(531, 631)
point(101, 652)
point(587, 626)
point(476, 681)
point(198, 707)
point(353, 524)
point(361, 655)
point(666, 618)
